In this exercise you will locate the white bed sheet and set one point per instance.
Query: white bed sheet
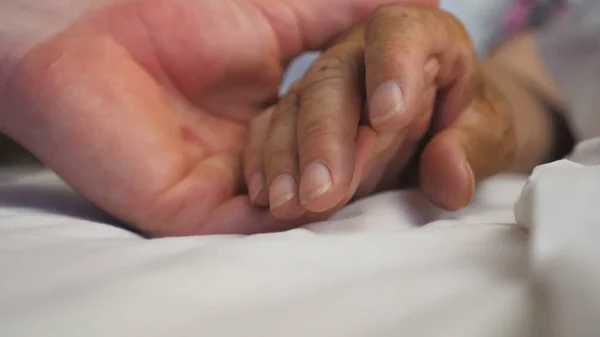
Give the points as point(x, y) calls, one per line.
point(390, 265)
point(372, 271)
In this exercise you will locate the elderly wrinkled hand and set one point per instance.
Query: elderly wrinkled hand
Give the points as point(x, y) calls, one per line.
point(403, 88)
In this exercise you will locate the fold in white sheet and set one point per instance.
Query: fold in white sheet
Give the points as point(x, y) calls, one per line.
point(389, 265)
point(561, 205)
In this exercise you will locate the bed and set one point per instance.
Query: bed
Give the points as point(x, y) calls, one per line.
point(519, 261)
point(389, 265)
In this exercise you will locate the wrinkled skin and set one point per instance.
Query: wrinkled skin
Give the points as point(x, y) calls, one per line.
point(338, 136)
point(143, 106)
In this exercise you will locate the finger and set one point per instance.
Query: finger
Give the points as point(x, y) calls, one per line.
point(239, 216)
point(403, 43)
point(421, 124)
point(330, 106)
point(394, 151)
point(479, 144)
point(380, 163)
point(254, 173)
point(406, 143)
point(301, 25)
point(281, 160)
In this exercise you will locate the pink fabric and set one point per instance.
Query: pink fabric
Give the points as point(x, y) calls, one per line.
point(518, 18)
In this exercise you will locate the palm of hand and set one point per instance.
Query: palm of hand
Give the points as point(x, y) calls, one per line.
point(157, 111)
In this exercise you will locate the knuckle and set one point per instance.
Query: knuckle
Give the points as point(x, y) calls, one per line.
point(399, 14)
point(328, 69)
point(328, 79)
point(283, 115)
point(281, 119)
point(317, 133)
point(333, 64)
point(396, 32)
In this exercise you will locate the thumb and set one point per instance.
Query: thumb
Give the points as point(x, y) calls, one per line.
point(301, 25)
point(479, 144)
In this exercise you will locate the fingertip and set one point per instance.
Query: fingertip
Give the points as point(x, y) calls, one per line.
point(386, 103)
point(390, 111)
point(446, 176)
point(282, 190)
point(315, 183)
point(319, 192)
point(239, 216)
point(283, 198)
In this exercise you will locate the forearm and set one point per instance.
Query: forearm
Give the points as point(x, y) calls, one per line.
point(25, 24)
point(517, 72)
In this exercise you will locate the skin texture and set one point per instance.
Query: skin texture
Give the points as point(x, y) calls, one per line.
point(452, 121)
point(519, 72)
point(143, 106)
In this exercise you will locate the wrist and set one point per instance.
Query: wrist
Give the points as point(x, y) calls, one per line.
point(25, 24)
point(536, 125)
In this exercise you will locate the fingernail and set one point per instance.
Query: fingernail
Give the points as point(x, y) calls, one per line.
point(256, 185)
point(283, 189)
point(316, 181)
point(387, 102)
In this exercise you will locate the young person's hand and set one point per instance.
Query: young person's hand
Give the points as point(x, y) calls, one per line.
point(403, 87)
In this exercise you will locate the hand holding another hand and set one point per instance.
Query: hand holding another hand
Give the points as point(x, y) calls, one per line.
point(405, 87)
point(143, 106)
